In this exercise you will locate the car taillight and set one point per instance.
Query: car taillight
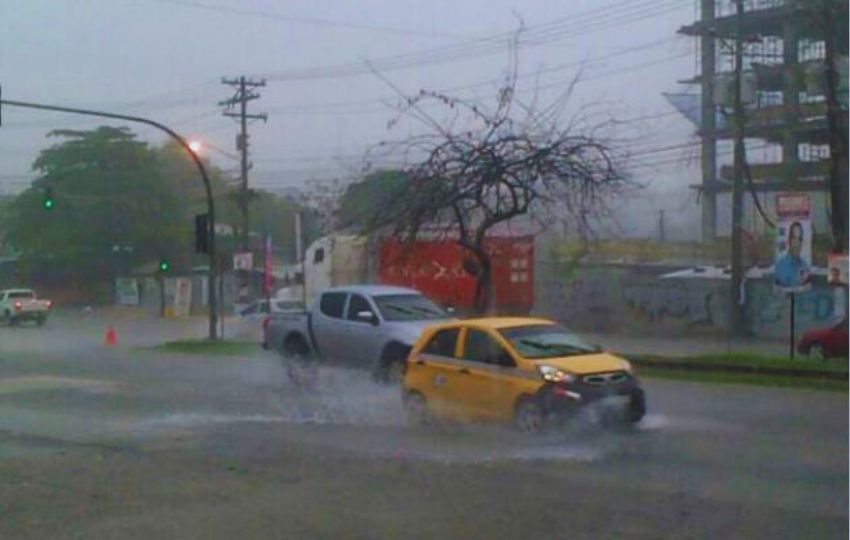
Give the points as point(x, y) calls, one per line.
point(18, 305)
point(49, 304)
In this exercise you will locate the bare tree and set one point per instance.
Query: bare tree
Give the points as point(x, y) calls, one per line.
point(485, 166)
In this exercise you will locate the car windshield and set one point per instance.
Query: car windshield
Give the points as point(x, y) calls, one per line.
point(287, 305)
point(545, 341)
point(409, 307)
point(22, 294)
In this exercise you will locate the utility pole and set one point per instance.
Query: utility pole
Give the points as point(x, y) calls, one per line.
point(736, 311)
point(244, 93)
point(837, 127)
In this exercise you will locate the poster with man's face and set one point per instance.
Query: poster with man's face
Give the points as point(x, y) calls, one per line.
point(837, 269)
point(792, 268)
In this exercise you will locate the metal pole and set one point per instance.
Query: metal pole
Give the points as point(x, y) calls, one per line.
point(793, 327)
point(299, 256)
point(736, 319)
point(207, 187)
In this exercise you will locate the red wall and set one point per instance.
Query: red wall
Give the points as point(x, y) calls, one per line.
point(435, 267)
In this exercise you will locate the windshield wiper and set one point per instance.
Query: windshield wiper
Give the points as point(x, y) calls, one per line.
point(566, 348)
point(428, 311)
point(398, 308)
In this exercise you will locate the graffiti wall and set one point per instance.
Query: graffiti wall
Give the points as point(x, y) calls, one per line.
point(634, 299)
point(628, 299)
point(770, 312)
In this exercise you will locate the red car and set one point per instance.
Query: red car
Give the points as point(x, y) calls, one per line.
point(826, 342)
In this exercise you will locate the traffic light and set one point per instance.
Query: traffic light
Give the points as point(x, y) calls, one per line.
point(48, 202)
point(202, 233)
point(164, 265)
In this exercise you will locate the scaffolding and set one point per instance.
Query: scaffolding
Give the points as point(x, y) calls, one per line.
point(783, 84)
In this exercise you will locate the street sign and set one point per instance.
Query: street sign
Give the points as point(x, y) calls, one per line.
point(127, 291)
point(243, 261)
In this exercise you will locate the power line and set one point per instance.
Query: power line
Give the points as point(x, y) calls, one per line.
point(558, 30)
point(315, 21)
point(334, 106)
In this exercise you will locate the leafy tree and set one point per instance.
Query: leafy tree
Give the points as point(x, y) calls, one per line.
point(377, 190)
point(114, 208)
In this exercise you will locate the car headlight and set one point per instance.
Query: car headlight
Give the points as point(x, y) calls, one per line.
point(555, 375)
point(627, 367)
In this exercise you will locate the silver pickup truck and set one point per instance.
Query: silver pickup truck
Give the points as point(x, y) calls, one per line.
point(365, 326)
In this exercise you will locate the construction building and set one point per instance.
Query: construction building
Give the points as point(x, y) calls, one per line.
point(787, 102)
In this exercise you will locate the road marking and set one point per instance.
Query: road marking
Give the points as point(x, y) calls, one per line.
point(34, 383)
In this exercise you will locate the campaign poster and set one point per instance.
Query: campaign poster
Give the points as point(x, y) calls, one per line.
point(792, 267)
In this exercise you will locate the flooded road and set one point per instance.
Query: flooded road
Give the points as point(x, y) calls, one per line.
point(128, 442)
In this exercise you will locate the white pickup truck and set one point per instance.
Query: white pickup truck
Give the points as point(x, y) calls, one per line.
point(18, 305)
point(369, 327)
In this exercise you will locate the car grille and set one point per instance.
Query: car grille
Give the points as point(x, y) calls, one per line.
point(606, 379)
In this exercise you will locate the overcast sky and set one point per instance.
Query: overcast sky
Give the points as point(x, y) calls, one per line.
point(164, 59)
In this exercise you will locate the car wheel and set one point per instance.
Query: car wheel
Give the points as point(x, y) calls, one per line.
point(295, 357)
point(529, 417)
point(391, 368)
point(416, 409)
point(817, 351)
point(394, 373)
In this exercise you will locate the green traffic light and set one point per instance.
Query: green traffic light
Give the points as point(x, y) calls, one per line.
point(164, 266)
point(48, 200)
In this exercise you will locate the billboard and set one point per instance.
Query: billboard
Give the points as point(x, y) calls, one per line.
point(837, 273)
point(126, 292)
point(243, 261)
point(792, 266)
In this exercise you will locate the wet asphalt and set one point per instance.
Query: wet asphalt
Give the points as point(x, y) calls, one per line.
point(162, 445)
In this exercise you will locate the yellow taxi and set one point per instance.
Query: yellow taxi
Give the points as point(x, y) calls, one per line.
point(524, 370)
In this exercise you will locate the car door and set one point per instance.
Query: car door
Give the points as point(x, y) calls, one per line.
point(430, 370)
point(362, 346)
point(489, 390)
point(838, 340)
point(328, 325)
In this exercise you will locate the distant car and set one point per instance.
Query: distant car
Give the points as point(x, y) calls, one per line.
point(522, 370)
point(258, 309)
point(826, 342)
point(18, 305)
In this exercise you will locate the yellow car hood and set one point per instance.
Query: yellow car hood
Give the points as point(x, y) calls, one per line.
point(586, 363)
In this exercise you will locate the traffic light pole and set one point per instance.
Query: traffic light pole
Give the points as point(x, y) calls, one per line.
point(213, 316)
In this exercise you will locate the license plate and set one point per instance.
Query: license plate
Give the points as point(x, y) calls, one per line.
point(617, 401)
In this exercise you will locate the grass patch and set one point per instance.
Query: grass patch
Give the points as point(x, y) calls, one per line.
point(203, 346)
point(756, 379)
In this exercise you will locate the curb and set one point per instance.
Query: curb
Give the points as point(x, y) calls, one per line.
point(684, 365)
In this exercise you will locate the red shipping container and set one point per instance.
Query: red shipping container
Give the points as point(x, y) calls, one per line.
point(436, 268)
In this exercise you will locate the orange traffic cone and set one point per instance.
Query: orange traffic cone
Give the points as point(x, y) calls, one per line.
point(111, 338)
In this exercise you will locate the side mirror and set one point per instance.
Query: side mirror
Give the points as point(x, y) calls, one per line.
point(367, 317)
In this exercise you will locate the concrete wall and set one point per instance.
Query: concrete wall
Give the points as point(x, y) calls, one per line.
point(632, 299)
